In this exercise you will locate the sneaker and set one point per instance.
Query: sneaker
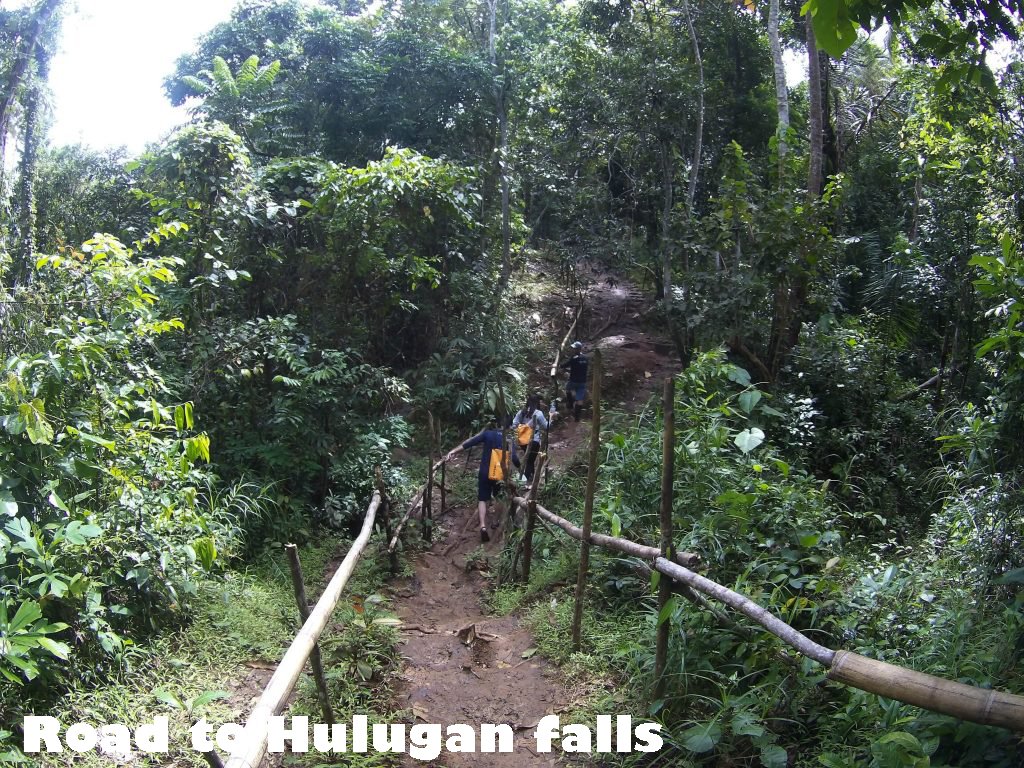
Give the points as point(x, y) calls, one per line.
point(484, 536)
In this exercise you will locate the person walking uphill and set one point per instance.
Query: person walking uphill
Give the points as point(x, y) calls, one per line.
point(526, 427)
point(492, 439)
point(576, 389)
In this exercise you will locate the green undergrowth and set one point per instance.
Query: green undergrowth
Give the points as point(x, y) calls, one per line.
point(215, 667)
point(767, 528)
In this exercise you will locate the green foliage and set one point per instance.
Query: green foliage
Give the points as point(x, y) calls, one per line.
point(852, 424)
point(309, 416)
point(105, 531)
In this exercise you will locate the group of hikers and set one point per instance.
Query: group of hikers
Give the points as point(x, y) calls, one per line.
point(528, 425)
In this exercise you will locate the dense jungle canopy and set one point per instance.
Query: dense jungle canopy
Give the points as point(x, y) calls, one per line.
point(209, 348)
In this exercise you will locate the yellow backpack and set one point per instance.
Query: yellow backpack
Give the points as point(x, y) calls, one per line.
point(499, 462)
point(524, 433)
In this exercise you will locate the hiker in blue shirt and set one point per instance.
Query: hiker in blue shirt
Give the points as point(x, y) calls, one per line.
point(576, 389)
point(492, 439)
point(526, 434)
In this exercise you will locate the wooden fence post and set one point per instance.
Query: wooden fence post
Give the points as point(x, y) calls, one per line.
point(428, 495)
point(444, 488)
point(588, 507)
point(531, 516)
point(385, 506)
point(314, 658)
point(668, 443)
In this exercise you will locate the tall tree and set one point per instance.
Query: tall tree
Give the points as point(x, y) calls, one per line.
point(500, 92)
point(781, 91)
point(26, 46)
point(815, 113)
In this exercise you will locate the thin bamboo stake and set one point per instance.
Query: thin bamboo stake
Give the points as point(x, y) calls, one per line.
point(668, 447)
point(428, 495)
point(299, 585)
point(588, 506)
point(979, 705)
point(444, 488)
point(531, 516)
point(385, 507)
point(685, 559)
point(565, 340)
point(254, 740)
point(416, 503)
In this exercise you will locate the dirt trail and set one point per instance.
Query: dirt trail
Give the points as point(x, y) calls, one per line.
point(458, 675)
point(480, 675)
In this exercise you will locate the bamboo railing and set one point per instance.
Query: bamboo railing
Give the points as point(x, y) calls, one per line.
point(966, 702)
point(253, 744)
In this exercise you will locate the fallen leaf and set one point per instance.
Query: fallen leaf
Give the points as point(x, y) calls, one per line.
point(420, 712)
point(529, 653)
point(647, 374)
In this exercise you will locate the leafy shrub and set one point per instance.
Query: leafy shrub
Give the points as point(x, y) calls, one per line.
point(105, 531)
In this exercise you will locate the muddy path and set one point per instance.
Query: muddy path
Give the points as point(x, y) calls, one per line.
point(461, 664)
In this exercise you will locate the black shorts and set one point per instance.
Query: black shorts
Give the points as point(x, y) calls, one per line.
point(485, 488)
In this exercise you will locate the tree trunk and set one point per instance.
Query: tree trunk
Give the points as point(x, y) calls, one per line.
point(814, 167)
point(25, 248)
point(781, 91)
point(665, 246)
point(698, 139)
point(21, 63)
point(502, 149)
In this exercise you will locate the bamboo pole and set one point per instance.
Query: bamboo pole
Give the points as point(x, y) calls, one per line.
point(749, 608)
point(565, 340)
point(416, 503)
point(668, 444)
point(444, 487)
point(213, 759)
point(254, 740)
point(428, 500)
point(531, 516)
point(979, 705)
point(299, 585)
point(385, 510)
point(685, 559)
point(588, 506)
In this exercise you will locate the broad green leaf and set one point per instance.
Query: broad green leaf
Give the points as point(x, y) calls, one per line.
point(834, 31)
point(739, 376)
point(206, 551)
point(60, 650)
point(34, 417)
point(702, 738)
point(773, 756)
point(746, 724)
point(749, 399)
point(167, 698)
point(749, 439)
point(8, 506)
point(365, 670)
point(28, 613)
point(110, 445)
point(57, 502)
